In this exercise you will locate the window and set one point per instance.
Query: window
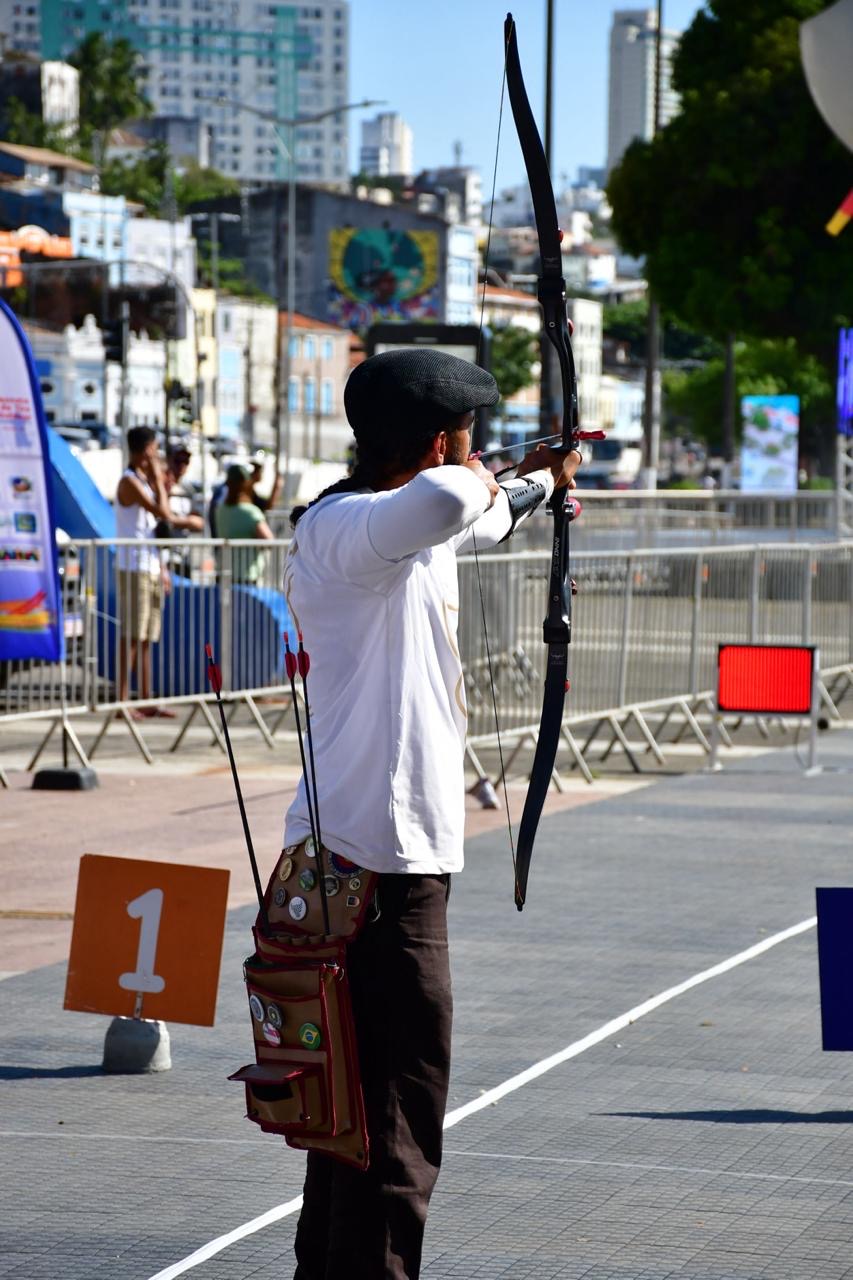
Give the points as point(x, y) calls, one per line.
point(309, 349)
point(294, 348)
point(326, 396)
point(293, 395)
point(310, 395)
point(328, 349)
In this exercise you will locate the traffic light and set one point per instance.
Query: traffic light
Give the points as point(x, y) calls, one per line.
point(115, 341)
point(185, 408)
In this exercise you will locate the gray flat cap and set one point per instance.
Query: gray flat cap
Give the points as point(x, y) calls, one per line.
point(415, 385)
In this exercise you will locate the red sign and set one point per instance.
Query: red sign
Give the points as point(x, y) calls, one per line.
point(755, 679)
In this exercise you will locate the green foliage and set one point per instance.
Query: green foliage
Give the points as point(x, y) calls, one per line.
point(628, 322)
point(142, 181)
point(109, 93)
point(762, 367)
point(231, 275)
point(27, 129)
point(196, 184)
point(730, 201)
point(514, 353)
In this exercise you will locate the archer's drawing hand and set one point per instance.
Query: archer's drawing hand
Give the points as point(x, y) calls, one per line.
point(483, 473)
point(561, 465)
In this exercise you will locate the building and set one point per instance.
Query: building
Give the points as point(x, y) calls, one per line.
point(39, 167)
point(188, 140)
point(358, 261)
point(463, 181)
point(200, 57)
point(386, 146)
point(50, 90)
point(70, 368)
point(319, 368)
point(631, 91)
point(246, 342)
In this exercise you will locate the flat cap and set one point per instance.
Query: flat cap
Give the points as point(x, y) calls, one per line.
point(415, 385)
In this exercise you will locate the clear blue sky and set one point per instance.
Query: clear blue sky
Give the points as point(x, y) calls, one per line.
point(439, 63)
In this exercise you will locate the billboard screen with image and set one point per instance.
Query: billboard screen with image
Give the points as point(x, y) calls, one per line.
point(770, 446)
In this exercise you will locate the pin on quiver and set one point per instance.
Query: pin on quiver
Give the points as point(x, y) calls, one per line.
point(305, 1082)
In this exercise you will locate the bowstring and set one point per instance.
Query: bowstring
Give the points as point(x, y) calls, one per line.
point(489, 664)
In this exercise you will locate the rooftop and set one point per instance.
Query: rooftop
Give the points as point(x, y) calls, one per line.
point(41, 155)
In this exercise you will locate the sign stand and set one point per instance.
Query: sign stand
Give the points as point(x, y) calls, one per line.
point(136, 1045)
point(80, 777)
point(762, 679)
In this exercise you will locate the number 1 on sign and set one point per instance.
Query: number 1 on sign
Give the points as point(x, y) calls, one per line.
point(148, 907)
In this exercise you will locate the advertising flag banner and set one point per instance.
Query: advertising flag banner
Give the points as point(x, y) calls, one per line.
point(844, 391)
point(770, 448)
point(30, 604)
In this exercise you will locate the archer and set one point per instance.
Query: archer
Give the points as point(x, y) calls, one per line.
point(371, 582)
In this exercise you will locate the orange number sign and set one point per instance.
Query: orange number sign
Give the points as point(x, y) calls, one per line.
point(147, 939)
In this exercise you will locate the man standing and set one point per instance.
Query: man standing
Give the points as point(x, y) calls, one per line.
point(371, 582)
point(141, 580)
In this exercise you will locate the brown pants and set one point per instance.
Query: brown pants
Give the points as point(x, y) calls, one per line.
point(369, 1225)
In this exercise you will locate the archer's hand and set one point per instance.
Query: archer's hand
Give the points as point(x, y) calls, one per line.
point(483, 473)
point(561, 465)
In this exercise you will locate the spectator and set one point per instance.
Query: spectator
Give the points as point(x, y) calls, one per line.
point(238, 517)
point(141, 581)
point(217, 497)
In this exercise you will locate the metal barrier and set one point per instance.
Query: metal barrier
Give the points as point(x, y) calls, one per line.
point(622, 519)
point(647, 625)
point(646, 629)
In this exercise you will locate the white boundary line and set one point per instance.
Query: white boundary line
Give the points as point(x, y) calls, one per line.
point(655, 1168)
point(492, 1096)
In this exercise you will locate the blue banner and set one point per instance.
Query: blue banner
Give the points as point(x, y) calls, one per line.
point(30, 600)
point(835, 960)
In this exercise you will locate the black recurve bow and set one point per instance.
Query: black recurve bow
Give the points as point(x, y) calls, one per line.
point(557, 627)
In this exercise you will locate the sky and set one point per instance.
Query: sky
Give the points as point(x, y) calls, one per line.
point(439, 64)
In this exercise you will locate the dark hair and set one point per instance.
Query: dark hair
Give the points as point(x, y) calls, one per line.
point(139, 437)
point(383, 452)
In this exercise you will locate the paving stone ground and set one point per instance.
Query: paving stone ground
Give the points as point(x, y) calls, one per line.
point(710, 1140)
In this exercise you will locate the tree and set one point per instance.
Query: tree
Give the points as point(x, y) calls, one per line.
point(109, 92)
point(514, 354)
point(763, 367)
point(142, 180)
point(628, 322)
point(28, 129)
point(195, 184)
point(729, 202)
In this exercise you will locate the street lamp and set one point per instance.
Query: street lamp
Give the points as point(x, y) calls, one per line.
point(291, 124)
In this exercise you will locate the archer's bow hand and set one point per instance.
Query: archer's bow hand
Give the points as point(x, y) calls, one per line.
point(562, 465)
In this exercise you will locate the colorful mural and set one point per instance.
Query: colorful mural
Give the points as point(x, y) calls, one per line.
point(378, 274)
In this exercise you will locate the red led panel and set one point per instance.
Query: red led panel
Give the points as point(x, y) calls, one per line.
point(755, 678)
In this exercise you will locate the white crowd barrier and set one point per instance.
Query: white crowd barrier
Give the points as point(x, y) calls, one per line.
point(646, 629)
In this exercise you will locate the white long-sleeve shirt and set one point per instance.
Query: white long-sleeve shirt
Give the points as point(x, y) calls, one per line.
point(371, 581)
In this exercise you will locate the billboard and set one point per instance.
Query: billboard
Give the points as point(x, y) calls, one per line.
point(379, 274)
point(770, 446)
point(844, 394)
point(30, 610)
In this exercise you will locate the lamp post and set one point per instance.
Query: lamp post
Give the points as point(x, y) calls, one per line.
point(288, 150)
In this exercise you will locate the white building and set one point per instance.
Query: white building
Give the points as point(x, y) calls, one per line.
point(462, 264)
point(70, 367)
point(631, 92)
point(283, 60)
point(158, 248)
point(246, 340)
point(386, 145)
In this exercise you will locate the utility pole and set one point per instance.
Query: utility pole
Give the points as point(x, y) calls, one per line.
point(652, 406)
